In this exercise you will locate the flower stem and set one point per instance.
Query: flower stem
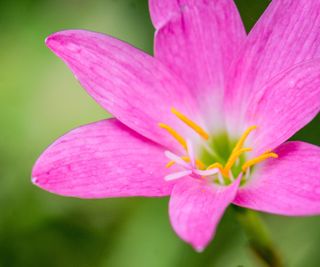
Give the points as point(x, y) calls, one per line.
point(259, 238)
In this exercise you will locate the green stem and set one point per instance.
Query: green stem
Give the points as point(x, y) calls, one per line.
point(259, 238)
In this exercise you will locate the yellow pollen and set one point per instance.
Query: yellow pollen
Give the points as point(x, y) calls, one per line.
point(199, 163)
point(243, 138)
point(258, 159)
point(232, 159)
point(198, 129)
point(175, 135)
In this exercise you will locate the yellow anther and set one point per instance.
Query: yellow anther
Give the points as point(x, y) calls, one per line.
point(243, 138)
point(232, 159)
point(175, 135)
point(186, 158)
point(215, 165)
point(256, 160)
point(199, 163)
point(170, 164)
point(198, 129)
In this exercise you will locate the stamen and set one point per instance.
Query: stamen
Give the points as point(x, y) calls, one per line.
point(199, 163)
point(206, 172)
point(230, 175)
point(221, 173)
point(175, 135)
point(177, 175)
point(190, 153)
point(220, 178)
point(232, 159)
point(243, 138)
point(170, 164)
point(198, 129)
point(176, 159)
point(247, 174)
point(256, 160)
point(215, 165)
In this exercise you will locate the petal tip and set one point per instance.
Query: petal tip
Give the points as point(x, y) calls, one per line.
point(66, 42)
point(36, 174)
point(48, 38)
point(35, 180)
point(52, 40)
point(199, 248)
point(57, 38)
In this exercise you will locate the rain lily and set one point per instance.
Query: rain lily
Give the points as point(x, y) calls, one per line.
point(204, 120)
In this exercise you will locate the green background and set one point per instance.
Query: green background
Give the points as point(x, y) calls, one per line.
point(40, 100)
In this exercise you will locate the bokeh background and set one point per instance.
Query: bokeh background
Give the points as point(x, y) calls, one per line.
point(40, 100)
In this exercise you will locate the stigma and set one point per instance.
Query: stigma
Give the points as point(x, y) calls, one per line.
point(223, 171)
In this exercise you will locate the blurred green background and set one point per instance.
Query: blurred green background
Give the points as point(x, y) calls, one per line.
point(41, 100)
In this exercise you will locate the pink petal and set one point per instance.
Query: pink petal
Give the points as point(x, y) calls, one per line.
point(103, 159)
point(286, 104)
point(286, 34)
point(197, 40)
point(130, 84)
point(196, 208)
point(162, 10)
point(289, 185)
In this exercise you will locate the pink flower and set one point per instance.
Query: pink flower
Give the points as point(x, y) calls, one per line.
point(203, 121)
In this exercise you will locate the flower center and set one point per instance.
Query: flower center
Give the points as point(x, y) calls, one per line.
point(212, 165)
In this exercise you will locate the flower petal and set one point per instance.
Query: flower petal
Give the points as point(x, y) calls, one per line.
point(197, 40)
point(162, 10)
point(103, 159)
point(286, 34)
point(289, 185)
point(286, 104)
point(133, 86)
point(195, 209)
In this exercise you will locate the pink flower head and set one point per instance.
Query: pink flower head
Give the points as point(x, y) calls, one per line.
point(203, 121)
